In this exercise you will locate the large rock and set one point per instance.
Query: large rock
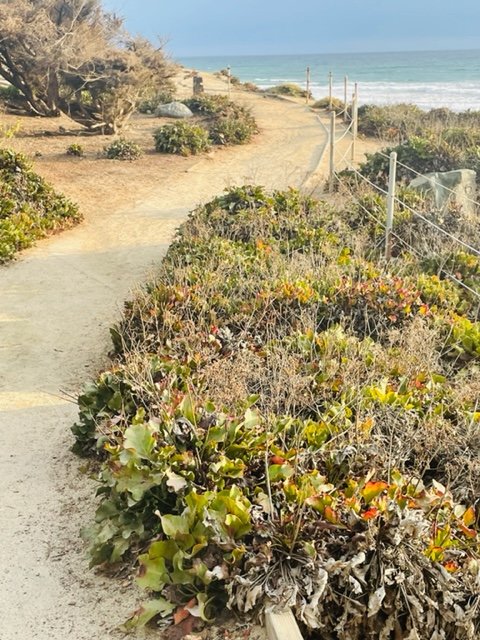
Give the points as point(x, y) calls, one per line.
point(459, 187)
point(173, 110)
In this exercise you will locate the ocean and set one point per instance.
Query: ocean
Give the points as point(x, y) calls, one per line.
point(429, 79)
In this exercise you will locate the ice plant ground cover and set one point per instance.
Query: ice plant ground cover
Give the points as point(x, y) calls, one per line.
point(29, 207)
point(289, 420)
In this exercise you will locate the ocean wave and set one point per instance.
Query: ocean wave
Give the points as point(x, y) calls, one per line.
point(457, 96)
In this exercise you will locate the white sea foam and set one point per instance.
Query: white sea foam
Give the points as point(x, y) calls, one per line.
point(457, 96)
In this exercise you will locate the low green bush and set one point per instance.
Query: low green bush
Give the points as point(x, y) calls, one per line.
point(150, 103)
point(395, 122)
point(337, 105)
point(123, 149)
point(226, 121)
point(400, 122)
point(421, 155)
point(280, 424)
point(209, 105)
point(289, 89)
point(29, 207)
point(181, 138)
point(76, 150)
point(233, 129)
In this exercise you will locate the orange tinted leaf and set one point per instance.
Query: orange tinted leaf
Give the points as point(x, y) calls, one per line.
point(470, 533)
point(451, 566)
point(469, 517)
point(373, 489)
point(182, 613)
point(330, 515)
point(371, 513)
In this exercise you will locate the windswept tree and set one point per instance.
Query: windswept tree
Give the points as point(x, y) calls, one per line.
point(71, 56)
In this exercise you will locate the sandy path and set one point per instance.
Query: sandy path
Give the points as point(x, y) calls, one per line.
point(56, 304)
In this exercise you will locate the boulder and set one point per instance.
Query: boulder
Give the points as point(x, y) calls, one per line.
point(173, 110)
point(458, 186)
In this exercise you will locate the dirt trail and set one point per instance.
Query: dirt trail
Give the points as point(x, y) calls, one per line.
point(56, 304)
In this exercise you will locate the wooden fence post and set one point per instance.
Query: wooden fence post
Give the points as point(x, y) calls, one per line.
point(392, 177)
point(332, 151)
point(229, 81)
point(330, 89)
point(308, 85)
point(354, 126)
point(345, 98)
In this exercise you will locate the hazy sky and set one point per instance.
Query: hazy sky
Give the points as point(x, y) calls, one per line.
point(211, 27)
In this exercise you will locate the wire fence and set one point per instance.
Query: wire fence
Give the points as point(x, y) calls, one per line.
point(396, 204)
point(346, 159)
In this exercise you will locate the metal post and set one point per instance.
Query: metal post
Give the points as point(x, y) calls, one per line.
point(345, 98)
point(330, 89)
point(392, 177)
point(332, 151)
point(354, 125)
point(308, 85)
point(229, 81)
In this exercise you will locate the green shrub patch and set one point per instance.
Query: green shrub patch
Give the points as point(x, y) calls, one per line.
point(219, 121)
point(29, 207)
point(288, 420)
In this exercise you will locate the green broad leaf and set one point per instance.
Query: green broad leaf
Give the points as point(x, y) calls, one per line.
point(116, 401)
point(146, 613)
point(196, 502)
point(179, 575)
point(120, 547)
point(139, 439)
point(106, 510)
point(137, 482)
point(163, 549)
point(153, 573)
point(252, 419)
point(176, 482)
point(187, 409)
point(228, 468)
point(235, 527)
point(278, 472)
point(216, 434)
point(106, 532)
point(175, 526)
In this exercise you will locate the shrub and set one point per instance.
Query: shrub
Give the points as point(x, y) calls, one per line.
point(291, 90)
point(76, 150)
point(423, 155)
point(234, 129)
point(395, 122)
point(280, 425)
point(337, 105)
point(123, 149)
point(182, 138)
point(209, 105)
point(29, 207)
point(227, 122)
point(151, 103)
